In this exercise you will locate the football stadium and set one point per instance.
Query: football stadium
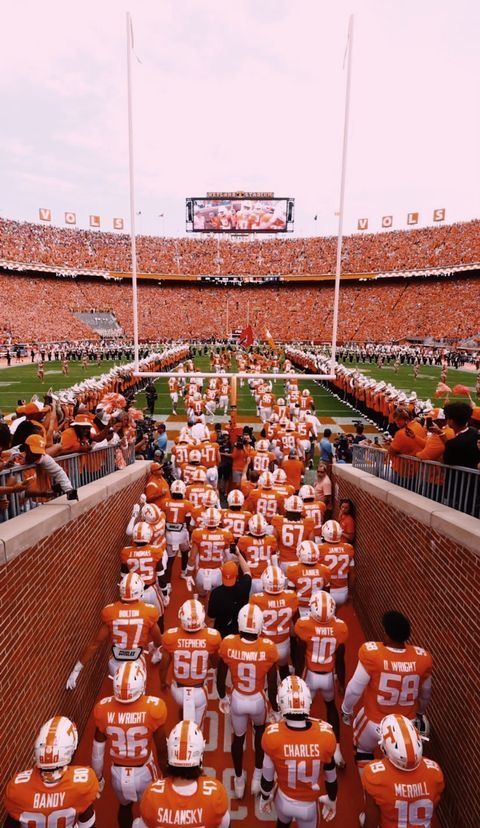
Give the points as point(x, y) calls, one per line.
point(240, 459)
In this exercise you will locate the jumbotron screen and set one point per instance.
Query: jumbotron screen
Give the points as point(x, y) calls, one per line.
point(240, 215)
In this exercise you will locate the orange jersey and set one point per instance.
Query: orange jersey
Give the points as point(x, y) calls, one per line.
point(211, 546)
point(278, 612)
point(172, 385)
point(404, 799)
point(235, 521)
point(315, 509)
point(288, 440)
point(180, 452)
point(129, 727)
point(307, 579)
point(210, 454)
point(144, 560)
point(339, 558)
point(130, 624)
point(284, 490)
point(298, 757)
point(257, 552)
point(396, 677)
point(248, 661)
point(290, 534)
point(322, 641)
point(156, 489)
point(261, 460)
point(196, 493)
point(162, 804)
point(187, 472)
point(265, 502)
point(306, 403)
point(31, 802)
point(177, 511)
point(304, 430)
point(191, 653)
point(267, 400)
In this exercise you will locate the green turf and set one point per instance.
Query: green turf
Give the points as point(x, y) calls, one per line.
point(427, 380)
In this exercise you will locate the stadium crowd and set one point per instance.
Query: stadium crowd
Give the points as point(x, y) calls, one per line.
point(369, 312)
point(393, 251)
point(260, 578)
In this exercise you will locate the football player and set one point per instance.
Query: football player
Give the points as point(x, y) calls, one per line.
point(392, 677)
point(322, 639)
point(178, 514)
point(291, 529)
point(403, 788)
point(258, 548)
point(173, 391)
point(150, 562)
point(128, 720)
point(280, 611)
point(185, 796)
point(299, 751)
point(129, 624)
point(250, 659)
point(53, 792)
point(209, 550)
point(338, 556)
point(236, 518)
point(193, 648)
point(308, 575)
point(264, 499)
point(314, 509)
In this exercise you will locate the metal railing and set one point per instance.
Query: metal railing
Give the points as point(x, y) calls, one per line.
point(81, 469)
point(453, 486)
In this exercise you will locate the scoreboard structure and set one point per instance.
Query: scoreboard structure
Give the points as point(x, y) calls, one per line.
point(239, 212)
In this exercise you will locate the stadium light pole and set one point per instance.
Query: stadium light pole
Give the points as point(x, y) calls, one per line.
point(338, 268)
point(131, 171)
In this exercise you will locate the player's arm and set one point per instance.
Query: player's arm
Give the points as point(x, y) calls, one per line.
point(331, 784)
point(272, 681)
point(98, 754)
point(87, 819)
point(87, 654)
point(424, 695)
point(355, 689)
point(160, 739)
point(372, 812)
point(340, 667)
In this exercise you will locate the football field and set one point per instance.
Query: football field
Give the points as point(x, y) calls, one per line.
point(426, 382)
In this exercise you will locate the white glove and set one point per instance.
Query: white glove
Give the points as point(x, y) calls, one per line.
point(166, 599)
point(157, 655)
point(274, 716)
point(190, 583)
point(73, 677)
point(101, 783)
point(136, 510)
point(138, 823)
point(265, 805)
point(329, 807)
point(224, 705)
point(347, 717)
point(143, 499)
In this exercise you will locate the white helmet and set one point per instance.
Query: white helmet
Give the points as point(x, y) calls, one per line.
point(55, 746)
point(280, 476)
point(142, 532)
point(250, 619)
point(257, 526)
point(308, 552)
point(199, 476)
point(131, 587)
point(273, 580)
point(322, 607)
point(266, 480)
point(280, 401)
point(210, 499)
point(195, 456)
point(305, 392)
point(306, 492)
point(294, 504)
point(178, 487)
point(212, 517)
point(185, 745)
point(400, 742)
point(129, 682)
point(151, 513)
point(332, 531)
point(191, 615)
point(262, 445)
point(236, 498)
point(293, 696)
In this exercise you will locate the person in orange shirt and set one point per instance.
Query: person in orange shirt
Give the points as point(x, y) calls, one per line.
point(308, 575)
point(409, 439)
point(339, 557)
point(54, 790)
point(157, 488)
point(403, 788)
point(291, 529)
point(264, 499)
point(312, 508)
point(294, 468)
point(75, 438)
point(186, 796)
point(178, 514)
point(257, 547)
point(129, 624)
point(298, 752)
point(193, 649)
point(280, 611)
point(322, 639)
point(251, 659)
point(129, 721)
point(150, 562)
point(240, 455)
point(346, 519)
point(209, 550)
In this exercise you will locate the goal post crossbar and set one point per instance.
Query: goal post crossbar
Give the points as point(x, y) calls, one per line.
point(233, 375)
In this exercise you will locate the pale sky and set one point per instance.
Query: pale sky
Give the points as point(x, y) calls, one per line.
point(240, 95)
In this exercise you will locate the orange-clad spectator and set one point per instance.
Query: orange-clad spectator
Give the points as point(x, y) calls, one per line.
point(294, 468)
point(409, 439)
point(346, 519)
point(157, 488)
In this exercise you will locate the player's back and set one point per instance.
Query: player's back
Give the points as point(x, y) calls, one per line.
point(191, 652)
point(278, 613)
point(162, 804)
point(258, 552)
point(298, 756)
point(307, 579)
point(338, 557)
point(130, 727)
point(32, 803)
point(405, 799)
point(396, 678)
point(143, 560)
point(235, 521)
point(130, 626)
point(211, 545)
point(249, 662)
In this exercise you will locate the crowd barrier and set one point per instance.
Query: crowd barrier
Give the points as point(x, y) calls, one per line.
point(453, 486)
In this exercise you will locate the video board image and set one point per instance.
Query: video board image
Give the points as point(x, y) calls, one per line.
point(240, 215)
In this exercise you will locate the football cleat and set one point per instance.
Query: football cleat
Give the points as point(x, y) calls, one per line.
point(239, 786)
